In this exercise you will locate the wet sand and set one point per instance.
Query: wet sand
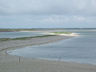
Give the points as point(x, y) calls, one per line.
point(10, 63)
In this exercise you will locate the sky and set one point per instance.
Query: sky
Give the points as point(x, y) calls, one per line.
point(47, 13)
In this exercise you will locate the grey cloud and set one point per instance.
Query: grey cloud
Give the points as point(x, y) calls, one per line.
point(69, 7)
point(47, 13)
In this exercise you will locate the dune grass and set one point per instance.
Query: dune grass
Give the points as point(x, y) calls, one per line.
point(62, 32)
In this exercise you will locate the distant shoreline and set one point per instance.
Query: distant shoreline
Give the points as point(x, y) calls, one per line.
point(37, 29)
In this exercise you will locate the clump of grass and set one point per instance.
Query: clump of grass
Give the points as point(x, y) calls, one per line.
point(62, 32)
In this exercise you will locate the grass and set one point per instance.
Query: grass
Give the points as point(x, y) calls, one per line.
point(24, 38)
point(62, 32)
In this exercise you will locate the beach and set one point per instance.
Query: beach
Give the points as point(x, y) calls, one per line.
point(9, 63)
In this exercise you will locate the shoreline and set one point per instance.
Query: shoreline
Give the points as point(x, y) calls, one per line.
point(9, 63)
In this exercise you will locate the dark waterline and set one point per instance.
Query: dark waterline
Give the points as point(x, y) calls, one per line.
point(80, 49)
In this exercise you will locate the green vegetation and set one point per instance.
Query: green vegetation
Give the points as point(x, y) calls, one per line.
point(62, 32)
point(24, 38)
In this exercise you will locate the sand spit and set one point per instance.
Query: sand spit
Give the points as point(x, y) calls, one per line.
point(29, 42)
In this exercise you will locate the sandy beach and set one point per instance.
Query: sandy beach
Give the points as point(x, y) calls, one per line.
point(10, 63)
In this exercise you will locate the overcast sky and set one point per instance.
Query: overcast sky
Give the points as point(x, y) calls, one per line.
point(47, 13)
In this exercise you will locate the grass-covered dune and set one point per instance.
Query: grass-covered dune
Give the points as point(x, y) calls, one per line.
point(62, 32)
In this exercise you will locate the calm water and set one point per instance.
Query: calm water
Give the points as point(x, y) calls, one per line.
point(80, 49)
point(18, 34)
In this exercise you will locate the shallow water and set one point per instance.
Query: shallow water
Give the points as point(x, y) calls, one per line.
point(18, 34)
point(80, 49)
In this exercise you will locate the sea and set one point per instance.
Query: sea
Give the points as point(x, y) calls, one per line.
point(19, 34)
point(79, 49)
